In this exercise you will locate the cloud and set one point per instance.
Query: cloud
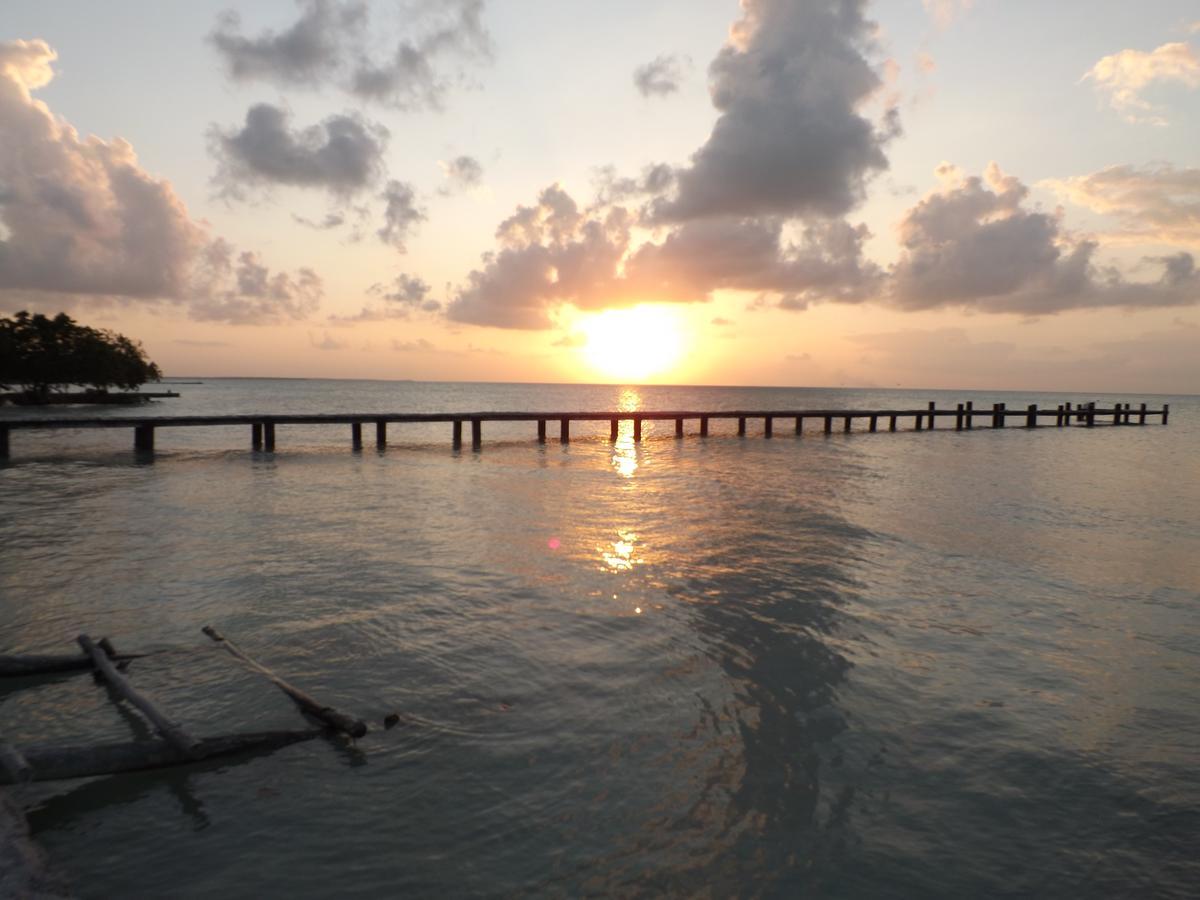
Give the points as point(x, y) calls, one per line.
point(82, 217)
point(185, 342)
point(462, 173)
point(405, 294)
point(660, 77)
point(789, 140)
point(944, 12)
point(721, 322)
point(420, 345)
point(330, 221)
point(343, 154)
point(1125, 75)
point(972, 244)
point(237, 288)
point(326, 343)
point(332, 44)
point(1159, 203)
point(400, 216)
point(554, 253)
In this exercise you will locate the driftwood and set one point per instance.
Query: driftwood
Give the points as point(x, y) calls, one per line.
point(356, 728)
point(50, 763)
point(49, 663)
point(176, 736)
point(14, 764)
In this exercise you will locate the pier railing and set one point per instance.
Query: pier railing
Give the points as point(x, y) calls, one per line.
point(263, 427)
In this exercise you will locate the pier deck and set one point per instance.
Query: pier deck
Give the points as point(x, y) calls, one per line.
point(263, 427)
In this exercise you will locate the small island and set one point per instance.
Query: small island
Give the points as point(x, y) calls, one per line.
point(46, 361)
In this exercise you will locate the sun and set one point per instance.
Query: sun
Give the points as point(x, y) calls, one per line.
point(631, 345)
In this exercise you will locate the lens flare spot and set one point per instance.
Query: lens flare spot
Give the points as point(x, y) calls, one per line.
point(554, 543)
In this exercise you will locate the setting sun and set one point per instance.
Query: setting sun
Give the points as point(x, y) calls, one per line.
point(632, 344)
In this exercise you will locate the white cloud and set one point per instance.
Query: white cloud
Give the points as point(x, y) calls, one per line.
point(1123, 76)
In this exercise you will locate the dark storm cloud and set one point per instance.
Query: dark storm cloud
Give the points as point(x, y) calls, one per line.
point(331, 43)
point(343, 154)
point(82, 217)
point(660, 77)
point(790, 140)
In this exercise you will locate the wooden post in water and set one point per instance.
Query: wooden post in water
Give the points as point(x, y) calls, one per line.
point(637, 429)
point(829, 424)
point(679, 428)
point(892, 422)
point(704, 426)
point(564, 430)
point(741, 426)
point(970, 414)
point(256, 436)
point(356, 435)
point(768, 426)
point(143, 438)
point(175, 736)
point(846, 425)
point(3, 442)
point(932, 414)
point(920, 418)
point(1142, 415)
point(456, 434)
point(997, 419)
point(614, 426)
point(269, 436)
point(1166, 412)
point(1031, 415)
point(381, 434)
point(1128, 413)
point(1066, 414)
point(1091, 413)
point(355, 728)
point(799, 425)
point(874, 422)
point(958, 417)
point(476, 434)
point(542, 431)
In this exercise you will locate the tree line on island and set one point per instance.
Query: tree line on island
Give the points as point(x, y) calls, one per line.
point(43, 357)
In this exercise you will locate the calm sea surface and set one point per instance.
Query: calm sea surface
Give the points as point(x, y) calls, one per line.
point(913, 664)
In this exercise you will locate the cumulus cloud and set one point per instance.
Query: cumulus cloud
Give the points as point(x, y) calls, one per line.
point(343, 154)
point(400, 215)
point(661, 76)
point(790, 139)
point(972, 244)
point(82, 217)
point(462, 174)
point(332, 43)
point(1124, 76)
point(1159, 203)
point(554, 253)
point(944, 12)
point(405, 294)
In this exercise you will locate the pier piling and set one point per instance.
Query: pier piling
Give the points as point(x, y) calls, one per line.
point(741, 426)
point(932, 415)
point(892, 423)
point(476, 434)
point(614, 426)
point(3, 442)
point(846, 424)
point(1142, 415)
point(637, 429)
point(679, 428)
point(269, 437)
point(829, 424)
point(456, 434)
point(1031, 415)
point(800, 425)
point(564, 430)
point(768, 426)
point(380, 434)
point(1166, 412)
point(704, 426)
point(256, 439)
point(958, 417)
point(970, 414)
point(542, 431)
point(143, 439)
point(874, 422)
point(356, 435)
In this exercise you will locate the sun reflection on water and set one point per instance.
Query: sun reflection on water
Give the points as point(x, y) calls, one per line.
point(624, 454)
point(620, 555)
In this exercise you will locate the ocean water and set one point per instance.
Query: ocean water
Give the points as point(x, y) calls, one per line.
point(915, 664)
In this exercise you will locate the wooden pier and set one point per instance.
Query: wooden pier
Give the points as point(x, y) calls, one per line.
point(965, 416)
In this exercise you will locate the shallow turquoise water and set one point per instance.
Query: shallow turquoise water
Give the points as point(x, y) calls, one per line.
point(858, 665)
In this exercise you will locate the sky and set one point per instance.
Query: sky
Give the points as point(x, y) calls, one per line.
point(975, 194)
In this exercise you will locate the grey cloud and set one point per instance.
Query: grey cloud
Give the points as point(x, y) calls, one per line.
point(237, 288)
point(404, 295)
point(330, 221)
point(462, 173)
point(420, 345)
point(973, 245)
point(400, 216)
point(789, 140)
point(343, 154)
point(81, 217)
point(661, 76)
point(553, 253)
point(332, 43)
point(326, 343)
